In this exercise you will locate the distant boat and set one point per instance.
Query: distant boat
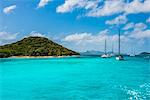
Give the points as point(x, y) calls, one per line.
point(105, 55)
point(132, 55)
point(119, 57)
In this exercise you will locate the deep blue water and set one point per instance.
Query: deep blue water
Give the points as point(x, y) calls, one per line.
point(72, 78)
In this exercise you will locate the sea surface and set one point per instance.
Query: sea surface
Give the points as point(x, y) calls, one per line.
point(74, 78)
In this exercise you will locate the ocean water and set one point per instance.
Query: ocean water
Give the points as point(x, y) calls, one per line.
point(73, 78)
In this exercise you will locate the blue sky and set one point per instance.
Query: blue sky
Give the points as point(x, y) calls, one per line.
point(78, 24)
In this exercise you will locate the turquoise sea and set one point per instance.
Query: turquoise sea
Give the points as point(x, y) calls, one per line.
point(74, 78)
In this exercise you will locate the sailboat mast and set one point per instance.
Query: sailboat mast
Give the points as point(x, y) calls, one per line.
point(119, 41)
point(105, 45)
point(112, 47)
point(119, 55)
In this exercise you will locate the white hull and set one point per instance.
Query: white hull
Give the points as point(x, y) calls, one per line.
point(119, 58)
point(105, 56)
point(132, 55)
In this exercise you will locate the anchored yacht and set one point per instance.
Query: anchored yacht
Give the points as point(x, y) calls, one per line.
point(105, 55)
point(119, 57)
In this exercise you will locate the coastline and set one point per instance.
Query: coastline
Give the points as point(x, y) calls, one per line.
point(41, 56)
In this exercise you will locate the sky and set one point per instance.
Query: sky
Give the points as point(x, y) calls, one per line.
point(79, 25)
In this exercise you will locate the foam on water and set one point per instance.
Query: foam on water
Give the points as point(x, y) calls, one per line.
point(141, 93)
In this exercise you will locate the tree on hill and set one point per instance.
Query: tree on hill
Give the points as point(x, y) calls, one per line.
point(35, 46)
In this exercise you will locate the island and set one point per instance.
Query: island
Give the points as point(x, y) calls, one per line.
point(35, 46)
point(144, 54)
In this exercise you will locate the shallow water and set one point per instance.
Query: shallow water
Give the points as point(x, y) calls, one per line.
point(85, 78)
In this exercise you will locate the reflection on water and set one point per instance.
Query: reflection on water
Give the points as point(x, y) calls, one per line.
point(5, 60)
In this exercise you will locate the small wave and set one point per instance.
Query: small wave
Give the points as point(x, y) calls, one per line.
point(140, 93)
point(135, 95)
point(146, 86)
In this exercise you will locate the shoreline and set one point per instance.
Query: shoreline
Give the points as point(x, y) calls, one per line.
point(41, 56)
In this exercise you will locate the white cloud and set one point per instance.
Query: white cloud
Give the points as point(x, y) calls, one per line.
point(140, 31)
point(139, 26)
point(43, 3)
point(85, 37)
point(78, 37)
point(6, 37)
point(70, 5)
point(67, 6)
point(128, 26)
point(33, 33)
point(121, 19)
point(135, 27)
point(140, 34)
point(9, 9)
point(148, 20)
point(109, 7)
point(136, 7)
point(89, 41)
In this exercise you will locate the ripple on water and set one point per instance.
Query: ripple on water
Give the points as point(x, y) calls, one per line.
point(141, 93)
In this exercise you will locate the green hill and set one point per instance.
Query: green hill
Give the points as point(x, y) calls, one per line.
point(35, 46)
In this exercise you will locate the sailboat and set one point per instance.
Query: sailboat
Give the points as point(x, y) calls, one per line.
point(112, 52)
point(132, 54)
point(119, 57)
point(105, 55)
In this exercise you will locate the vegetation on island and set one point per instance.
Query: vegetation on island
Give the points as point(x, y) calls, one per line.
point(144, 54)
point(35, 46)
